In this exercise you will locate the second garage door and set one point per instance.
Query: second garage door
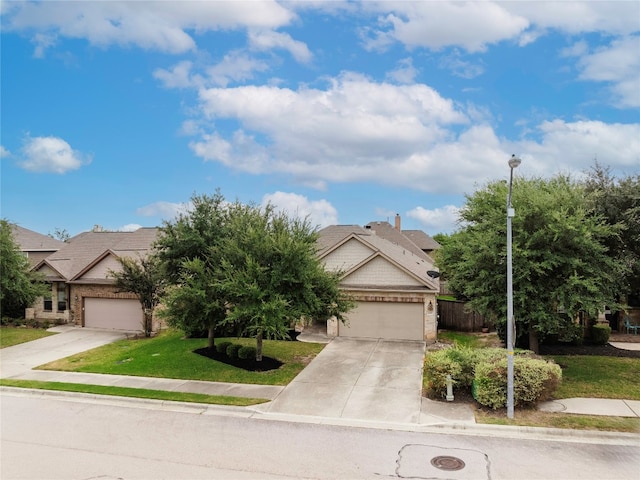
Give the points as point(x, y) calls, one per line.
point(113, 313)
point(388, 320)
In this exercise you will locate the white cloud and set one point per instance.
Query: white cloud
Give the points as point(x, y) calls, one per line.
point(404, 73)
point(51, 155)
point(438, 220)
point(269, 40)
point(619, 65)
point(573, 146)
point(468, 25)
point(408, 136)
point(4, 152)
point(320, 212)
point(164, 210)
point(615, 18)
point(156, 25)
point(461, 68)
point(130, 227)
point(236, 66)
point(178, 76)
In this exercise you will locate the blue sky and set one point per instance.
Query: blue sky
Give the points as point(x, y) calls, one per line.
point(116, 113)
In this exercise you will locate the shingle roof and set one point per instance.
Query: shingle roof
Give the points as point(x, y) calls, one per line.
point(30, 241)
point(393, 235)
point(417, 264)
point(421, 239)
point(86, 247)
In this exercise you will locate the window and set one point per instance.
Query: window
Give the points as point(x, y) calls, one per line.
point(48, 303)
point(62, 297)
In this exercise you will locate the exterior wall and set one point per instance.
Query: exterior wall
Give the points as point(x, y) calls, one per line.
point(101, 269)
point(39, 313)
point(380, 272)
point(348, 255)
point(36, 257)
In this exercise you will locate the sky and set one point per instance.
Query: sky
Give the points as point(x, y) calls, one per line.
point(115, 113)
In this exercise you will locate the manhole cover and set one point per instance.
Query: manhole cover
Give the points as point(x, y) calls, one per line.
point(445, 462)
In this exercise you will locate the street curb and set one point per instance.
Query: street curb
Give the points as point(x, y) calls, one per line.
point(503, 431)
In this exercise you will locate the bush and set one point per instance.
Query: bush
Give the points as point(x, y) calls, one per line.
point(232, 350)
point(247, 353)
point(221, 347)
point(534, 380)
point(600, 334)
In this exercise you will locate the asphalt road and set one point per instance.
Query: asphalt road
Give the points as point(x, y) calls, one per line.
point(48, 437)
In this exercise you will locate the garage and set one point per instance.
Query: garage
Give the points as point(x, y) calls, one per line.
point(113, 313)
point(388, 320)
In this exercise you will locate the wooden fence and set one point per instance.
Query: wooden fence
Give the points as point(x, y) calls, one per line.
point(452, 315)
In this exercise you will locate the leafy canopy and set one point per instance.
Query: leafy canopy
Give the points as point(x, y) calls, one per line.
point(19, 286)
point(560, 259)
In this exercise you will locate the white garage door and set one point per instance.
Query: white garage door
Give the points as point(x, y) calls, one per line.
point(112, 313)
point(394, 321)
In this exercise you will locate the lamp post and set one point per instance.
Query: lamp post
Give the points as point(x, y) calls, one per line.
point(513, 163)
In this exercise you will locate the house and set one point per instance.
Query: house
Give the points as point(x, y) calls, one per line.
point(82, 292)
point(386, 275)
point(33, 245)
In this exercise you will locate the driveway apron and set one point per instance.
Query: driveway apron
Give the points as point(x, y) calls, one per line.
point(21, 358)
point(373, 380)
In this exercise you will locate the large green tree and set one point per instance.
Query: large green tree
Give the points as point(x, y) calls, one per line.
point(561, 263)
point(145, 278)
point(19, 286)
point(617, 200)
point(272, 274)
point(190, 250)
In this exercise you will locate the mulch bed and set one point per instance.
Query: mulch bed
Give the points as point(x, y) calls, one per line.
point(251, 365)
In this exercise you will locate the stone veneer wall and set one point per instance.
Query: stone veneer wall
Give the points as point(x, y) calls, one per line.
point(39, 313)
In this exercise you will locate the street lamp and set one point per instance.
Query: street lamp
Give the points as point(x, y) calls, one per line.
point(513, 163)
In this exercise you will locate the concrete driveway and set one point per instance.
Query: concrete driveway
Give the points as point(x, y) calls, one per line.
point(358, 379)
point(71, 340)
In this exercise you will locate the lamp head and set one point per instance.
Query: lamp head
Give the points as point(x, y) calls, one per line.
point(514, 161)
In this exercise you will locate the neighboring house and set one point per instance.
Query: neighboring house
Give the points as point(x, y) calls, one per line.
point(416, 241)
point(82, 291)
point(386, 274)
point(33, 245)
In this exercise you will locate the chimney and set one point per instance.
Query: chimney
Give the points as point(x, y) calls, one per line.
point(398, 222)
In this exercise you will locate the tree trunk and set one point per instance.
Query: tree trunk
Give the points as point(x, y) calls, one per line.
point(211, 337)
point(533, 340)
point(259, 346)
point(148, 323)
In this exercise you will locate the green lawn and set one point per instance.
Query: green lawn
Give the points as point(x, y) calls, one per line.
point(134, 392)
point(15, 335)
point(169, 355)
point(598, 377)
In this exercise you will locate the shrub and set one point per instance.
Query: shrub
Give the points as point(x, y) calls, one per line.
point(221, 347)
point(600, 334)
point(456, 361)
point(534, 380)
point(232, 350)
point(247, 353)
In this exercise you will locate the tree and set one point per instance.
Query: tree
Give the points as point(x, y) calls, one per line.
point(617, 200)
point(145, 278)
point(189, 249)
point(60, 234)
point(561, 265)
point(20, 287)
point(272, 274)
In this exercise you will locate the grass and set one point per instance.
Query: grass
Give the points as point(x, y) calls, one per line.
point(582, 376)
point(471, 340)
point(134, 392)
point(534, 418)
point(15, 335)
point(598, 377)
point(169, 355)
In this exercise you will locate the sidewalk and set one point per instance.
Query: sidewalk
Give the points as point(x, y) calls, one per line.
point(431, 412)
